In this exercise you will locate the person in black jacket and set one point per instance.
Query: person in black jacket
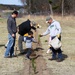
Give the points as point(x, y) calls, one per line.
point(23, 29)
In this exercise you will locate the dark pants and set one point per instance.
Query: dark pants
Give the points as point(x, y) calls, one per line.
point(29, 51)
point(58, 51)
point(20, 43)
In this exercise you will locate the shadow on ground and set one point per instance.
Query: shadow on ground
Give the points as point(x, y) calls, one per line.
point(33, 51)
point(2, 45)
point(38, 48)
point(64, 56)
point(33, 55)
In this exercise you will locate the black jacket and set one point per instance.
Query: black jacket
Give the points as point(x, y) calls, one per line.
point(25, 27)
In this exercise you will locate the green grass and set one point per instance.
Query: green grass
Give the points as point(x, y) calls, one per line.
point(33, 65)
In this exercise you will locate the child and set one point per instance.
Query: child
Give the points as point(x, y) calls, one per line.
point(29, 39)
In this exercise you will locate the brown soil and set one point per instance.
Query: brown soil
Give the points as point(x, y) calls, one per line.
point(37, 64)
point(40, 65)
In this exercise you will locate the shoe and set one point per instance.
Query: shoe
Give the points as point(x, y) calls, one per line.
point(27, 57)
point(7, 56)
point(59, 60)
point(14, 56)
point(5, 46)
point(11, 56)
point(52, 59)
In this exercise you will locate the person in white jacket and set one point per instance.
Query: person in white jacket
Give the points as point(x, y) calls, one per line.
point(54, 29)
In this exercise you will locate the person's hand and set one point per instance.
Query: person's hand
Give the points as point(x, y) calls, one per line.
point(13, 35)
point(40, 35)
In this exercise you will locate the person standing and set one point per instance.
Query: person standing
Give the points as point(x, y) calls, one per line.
point(23, 30)
point(54, 29)
point(12, 29)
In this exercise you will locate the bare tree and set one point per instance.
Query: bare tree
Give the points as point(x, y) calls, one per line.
point(50, 4)
point(54, 6)
point(28, 4)
point(62, 8)
point(23, 1)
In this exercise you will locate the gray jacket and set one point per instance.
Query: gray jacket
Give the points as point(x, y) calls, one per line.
point(11, 25)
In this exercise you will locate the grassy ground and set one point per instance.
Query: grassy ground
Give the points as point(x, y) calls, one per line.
point(68, 34)
point(68, 44)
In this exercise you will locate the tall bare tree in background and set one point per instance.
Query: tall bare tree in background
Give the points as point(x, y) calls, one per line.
point(50, 4)
point(23, 1)
point(62, 8)
point(37, 5)
point(28, 4)
point(54, 6)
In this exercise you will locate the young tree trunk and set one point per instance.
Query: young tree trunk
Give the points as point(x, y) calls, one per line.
point(51, 9)
point(62, 8)
point(29, 6)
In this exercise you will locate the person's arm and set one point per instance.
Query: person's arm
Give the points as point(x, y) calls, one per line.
point(45, 33)
point(34, 40)
point(58, 27)
point(33, 28)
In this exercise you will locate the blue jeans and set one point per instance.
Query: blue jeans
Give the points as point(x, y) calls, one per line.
point(55, 52)
point(10, 47)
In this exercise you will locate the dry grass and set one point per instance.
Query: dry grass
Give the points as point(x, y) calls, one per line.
point(68, 44)
point(68, 37)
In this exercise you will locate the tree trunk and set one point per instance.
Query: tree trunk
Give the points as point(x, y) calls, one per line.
point(62, 8)
point(29, 6)
point(51, 9)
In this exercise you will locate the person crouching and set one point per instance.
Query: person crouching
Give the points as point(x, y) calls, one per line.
point(28, 40)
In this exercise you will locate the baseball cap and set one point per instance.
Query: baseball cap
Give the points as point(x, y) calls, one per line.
point(48, 18)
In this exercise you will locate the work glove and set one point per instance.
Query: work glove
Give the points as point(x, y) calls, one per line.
point(40, 35)
point(58, 35)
